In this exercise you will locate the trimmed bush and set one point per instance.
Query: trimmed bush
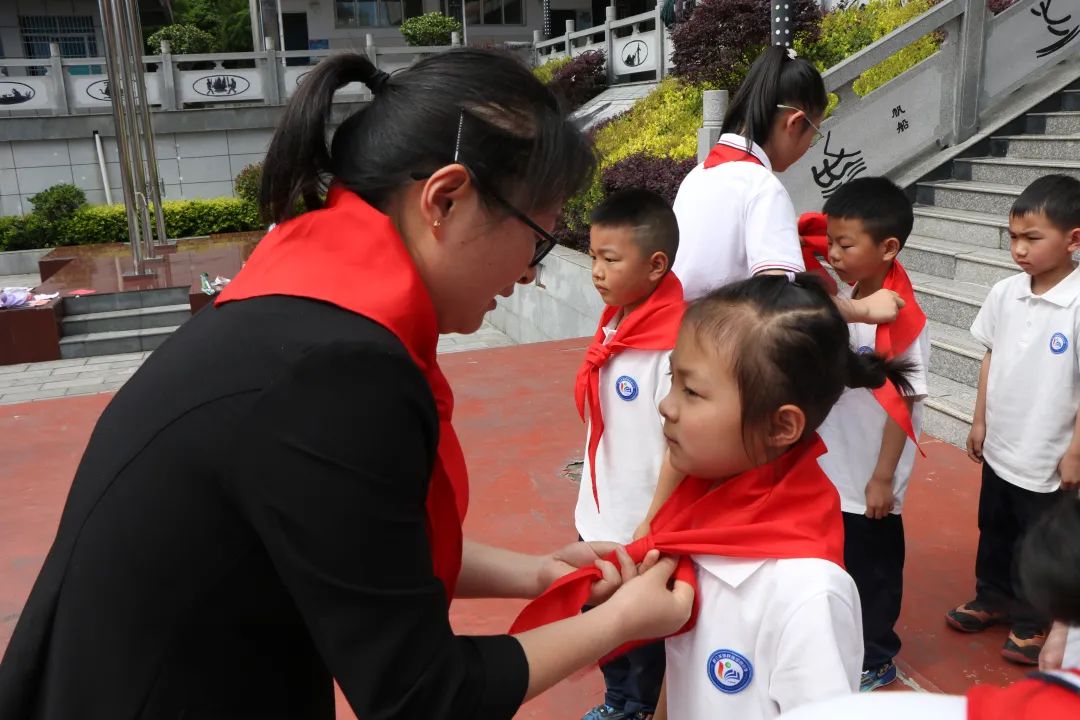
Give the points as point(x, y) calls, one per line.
point(431, 28)
point(182, 39)
point(580, 80)
point(661, 175)
point(544, 73)
point(847, 30)
point(17, 232)
point(720, 40)
point(663, 124)
point(58, 203)
point(248, 181)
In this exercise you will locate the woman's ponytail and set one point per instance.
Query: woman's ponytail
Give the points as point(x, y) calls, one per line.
point(298, 160)
point(868, 370)
point(774, 79)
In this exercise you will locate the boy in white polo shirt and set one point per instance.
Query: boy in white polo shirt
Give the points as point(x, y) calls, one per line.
point(1024, 430)
point(626, 373)
point(870, 456)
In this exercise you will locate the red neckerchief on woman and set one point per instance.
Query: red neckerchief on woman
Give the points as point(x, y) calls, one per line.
point(350, 255)
point(785, 509)
point(1042, 696)
point(891, 339)
point(654, 325)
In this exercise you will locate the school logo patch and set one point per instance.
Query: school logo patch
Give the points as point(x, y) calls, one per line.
point(865, 350)
point(729, 671)
point(1058, 343)
point(626, 387)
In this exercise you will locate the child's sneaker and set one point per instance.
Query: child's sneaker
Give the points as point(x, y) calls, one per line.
point(605, 712)
point(973, 617)
point(1022, 647)
point(878, 677)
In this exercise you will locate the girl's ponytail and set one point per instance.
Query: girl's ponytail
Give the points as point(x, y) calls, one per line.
point(868, 370)
point(774, 79)
point(298, 160)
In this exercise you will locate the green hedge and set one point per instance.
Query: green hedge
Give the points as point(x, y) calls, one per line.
point(96, 224)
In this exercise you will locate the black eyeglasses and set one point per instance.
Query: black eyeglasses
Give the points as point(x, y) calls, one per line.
point(545, 241)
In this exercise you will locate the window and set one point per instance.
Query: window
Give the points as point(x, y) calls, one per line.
point(74, 34)
point(374, 13)
point(487, 12)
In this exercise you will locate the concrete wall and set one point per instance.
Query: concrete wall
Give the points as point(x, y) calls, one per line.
point(561, 304)
point(21, 262)
point(199, 152)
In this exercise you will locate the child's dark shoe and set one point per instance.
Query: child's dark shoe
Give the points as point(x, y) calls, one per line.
point(1023, 647)
point(973, 617)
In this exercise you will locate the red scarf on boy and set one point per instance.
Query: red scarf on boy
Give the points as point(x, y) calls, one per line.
point(785, 509)
point(653, 325)
point(350, 255)
point(1046, 695)
point(721, 154)
point(891, 339)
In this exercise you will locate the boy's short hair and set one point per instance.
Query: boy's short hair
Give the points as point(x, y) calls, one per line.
point(651, 217)
point(883, 208)
point(1055, 196)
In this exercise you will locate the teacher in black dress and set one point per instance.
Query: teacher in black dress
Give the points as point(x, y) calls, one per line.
point(275, 499)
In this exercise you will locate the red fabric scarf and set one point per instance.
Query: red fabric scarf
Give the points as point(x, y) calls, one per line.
point(350, 255)
point(654, 325)
point(1044, 696)
point(721, 154)
point(785, 509)
point(891, 339)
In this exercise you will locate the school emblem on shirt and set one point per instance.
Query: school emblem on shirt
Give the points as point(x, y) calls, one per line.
point(1058, 343)
point(729, 671)
point(865, 350)
point(626, 387)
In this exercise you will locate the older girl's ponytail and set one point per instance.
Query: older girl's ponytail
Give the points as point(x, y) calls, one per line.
point(298, 160)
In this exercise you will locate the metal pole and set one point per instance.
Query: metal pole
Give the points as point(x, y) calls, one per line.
point(118, 89)
point(782, 26)
point(101, 163)
point(153, 185)
point(256, 26)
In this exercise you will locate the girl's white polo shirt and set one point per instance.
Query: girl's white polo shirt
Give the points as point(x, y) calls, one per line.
point(735, 220)
point(631, 450)
point(1033, 391)
point(771, 635)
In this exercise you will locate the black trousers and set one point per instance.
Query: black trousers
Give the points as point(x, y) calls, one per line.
point(633, 680)
point(874, 556)
point(1005, 513)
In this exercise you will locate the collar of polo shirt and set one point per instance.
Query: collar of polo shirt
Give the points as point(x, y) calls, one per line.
point(1063, 294)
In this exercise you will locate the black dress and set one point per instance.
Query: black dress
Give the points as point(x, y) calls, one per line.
point(247, 523)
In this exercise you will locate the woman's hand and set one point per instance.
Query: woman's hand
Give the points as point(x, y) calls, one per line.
point(583, 554)
point(1053, 650)
point(647, 607)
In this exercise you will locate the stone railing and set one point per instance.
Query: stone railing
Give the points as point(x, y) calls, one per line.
point(637, 44)
point(63, 86)
point(941, 102)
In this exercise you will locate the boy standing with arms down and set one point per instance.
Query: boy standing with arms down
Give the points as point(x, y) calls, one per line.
point(870, 433)
point(626, 373)
point(1024, 430)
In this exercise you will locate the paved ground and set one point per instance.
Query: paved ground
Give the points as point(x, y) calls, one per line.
point(19, 280)
point(520, 433)
point(85, 376)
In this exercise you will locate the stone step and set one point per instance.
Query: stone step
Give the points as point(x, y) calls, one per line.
point(1053, 123)
point(135, 319)
point(1037, 147)
point(1070, 99)
point(1012, 171)
point(948, 301)
point(113, 343)
point(949, 408)
point(991, 198)
point(974, 228)
point(957, 260)
point(112, 302)
point(955, 354)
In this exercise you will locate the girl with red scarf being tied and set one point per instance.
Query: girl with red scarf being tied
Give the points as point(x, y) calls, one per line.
point(757, 366)
point(274, 501)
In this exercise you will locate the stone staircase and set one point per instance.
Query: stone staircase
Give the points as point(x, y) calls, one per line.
point(114, 323)
point(960, 244)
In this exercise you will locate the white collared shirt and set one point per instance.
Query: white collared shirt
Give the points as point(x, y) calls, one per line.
point(771, 635)
point(631, 450)
point(1033, 389)
point(854, 427)
point(735, 220)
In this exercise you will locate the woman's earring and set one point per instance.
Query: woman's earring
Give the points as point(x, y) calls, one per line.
point(437, 223)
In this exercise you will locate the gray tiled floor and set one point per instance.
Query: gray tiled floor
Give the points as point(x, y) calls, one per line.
point(19, 280)
point(27, 382)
